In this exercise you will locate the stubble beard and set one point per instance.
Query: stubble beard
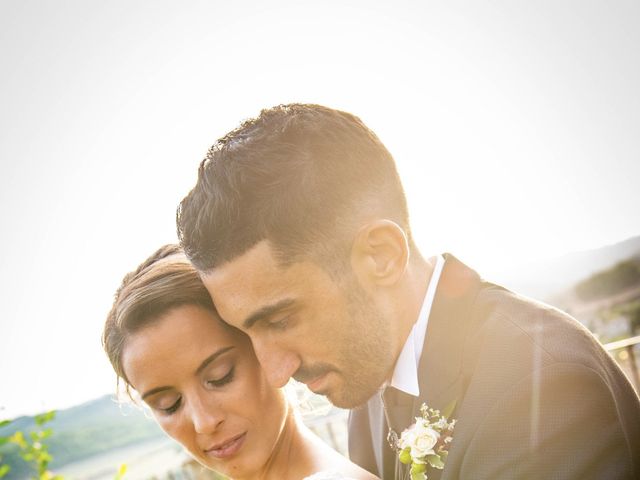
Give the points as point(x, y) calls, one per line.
point(366, 355)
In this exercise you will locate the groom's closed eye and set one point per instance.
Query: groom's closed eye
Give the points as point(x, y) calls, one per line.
point(280, 323)
point(267, 312)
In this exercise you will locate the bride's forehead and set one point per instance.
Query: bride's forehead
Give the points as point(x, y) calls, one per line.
point(184, 334)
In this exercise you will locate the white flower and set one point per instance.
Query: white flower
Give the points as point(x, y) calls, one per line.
point(442, 423)
point(417, 443)
point(420, 438)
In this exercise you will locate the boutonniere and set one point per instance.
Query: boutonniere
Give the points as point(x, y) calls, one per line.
point(426, 443)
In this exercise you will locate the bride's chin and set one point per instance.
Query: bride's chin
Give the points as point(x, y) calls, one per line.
point(236, 469)
point(228, 471)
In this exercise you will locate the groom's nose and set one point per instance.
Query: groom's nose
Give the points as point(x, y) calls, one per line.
point(278, 364)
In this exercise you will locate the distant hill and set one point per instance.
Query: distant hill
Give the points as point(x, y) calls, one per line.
point(546, 279)
point(82, 431)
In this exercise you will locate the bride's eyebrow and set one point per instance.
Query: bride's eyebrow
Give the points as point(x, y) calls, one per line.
point(153, 391)
point(212, 357)
point(200, 368)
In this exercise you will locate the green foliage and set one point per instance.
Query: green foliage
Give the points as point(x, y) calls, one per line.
point(405, 456)
point(33, 449)
point(4, 468)
point(609, 282)
point(435, 462)
point(630, 310)
point(634, 318)
point(418, 471)
point(89, 429)
point(121, 471)
point(45, 417)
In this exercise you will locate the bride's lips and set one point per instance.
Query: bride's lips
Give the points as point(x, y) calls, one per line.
point(228, 447)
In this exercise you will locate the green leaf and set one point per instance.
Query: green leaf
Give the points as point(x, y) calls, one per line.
point(121, 471)
point(405, 456)
point(4, 469)
point(47, 475)
point(18, 439)
point(449, 409)
point(419, 476)
point(27, 457)
point(435, 462)
point(4, 423)
point(45, 417)
point(418, 468)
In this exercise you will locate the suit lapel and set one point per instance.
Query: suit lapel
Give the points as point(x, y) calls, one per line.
point(440, 370)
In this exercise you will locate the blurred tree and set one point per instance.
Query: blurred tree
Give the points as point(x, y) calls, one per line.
point(609, 282)
point(631, 311)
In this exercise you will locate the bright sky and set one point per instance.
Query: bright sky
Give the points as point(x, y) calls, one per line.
point(514, 123)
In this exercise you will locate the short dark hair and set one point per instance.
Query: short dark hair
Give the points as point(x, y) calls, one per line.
point(302, 176)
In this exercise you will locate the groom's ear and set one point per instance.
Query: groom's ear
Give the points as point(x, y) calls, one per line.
point(380, 253)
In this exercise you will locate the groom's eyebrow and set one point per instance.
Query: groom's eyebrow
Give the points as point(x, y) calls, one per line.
point(266, 312)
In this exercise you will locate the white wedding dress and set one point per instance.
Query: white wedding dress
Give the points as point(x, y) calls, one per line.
point(327, 476)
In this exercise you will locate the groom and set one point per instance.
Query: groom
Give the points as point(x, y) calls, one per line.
point(299, 226)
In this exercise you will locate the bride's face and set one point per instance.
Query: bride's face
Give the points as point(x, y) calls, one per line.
point(206, 389)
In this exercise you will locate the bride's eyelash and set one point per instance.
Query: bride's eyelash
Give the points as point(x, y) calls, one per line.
point(172, 409)
point(216, 383)
point(224, 380)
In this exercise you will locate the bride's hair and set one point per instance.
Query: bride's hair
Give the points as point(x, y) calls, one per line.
point(162, 282)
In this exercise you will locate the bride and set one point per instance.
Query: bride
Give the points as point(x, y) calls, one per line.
point(203, 383)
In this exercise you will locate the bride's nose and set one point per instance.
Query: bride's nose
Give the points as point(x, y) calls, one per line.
point(206, 417)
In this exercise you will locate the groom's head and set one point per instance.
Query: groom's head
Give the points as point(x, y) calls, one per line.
point(299, 226)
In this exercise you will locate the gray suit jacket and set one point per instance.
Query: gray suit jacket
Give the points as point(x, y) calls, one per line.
point(536, 395)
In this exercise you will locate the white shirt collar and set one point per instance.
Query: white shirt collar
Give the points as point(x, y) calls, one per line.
point(405, 373)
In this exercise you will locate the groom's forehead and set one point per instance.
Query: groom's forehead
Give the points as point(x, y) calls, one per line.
point(250, 273)
point(243, 277)
point(249, 280)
